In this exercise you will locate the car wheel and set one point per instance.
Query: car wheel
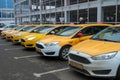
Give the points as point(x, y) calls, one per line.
point(118, 74)
point(64, 53)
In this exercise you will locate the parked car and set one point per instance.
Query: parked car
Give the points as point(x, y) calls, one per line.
point(7, 29)
point(9, 33)
point(16, 38)
point(99, 56)
point(2, 26)
point(60, 43)
point(41, 32)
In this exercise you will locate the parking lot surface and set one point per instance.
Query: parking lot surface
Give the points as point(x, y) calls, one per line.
point(18, 63)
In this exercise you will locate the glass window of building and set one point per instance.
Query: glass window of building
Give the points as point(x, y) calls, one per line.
point(92, 15)
point(109, 14)
point(59, 3)
point(35, 5)
point(83, 13)
point(82, 1)
point(73, 16)
point(118, 14)
point(73, 2)
point(52, 4)
point(60, 17)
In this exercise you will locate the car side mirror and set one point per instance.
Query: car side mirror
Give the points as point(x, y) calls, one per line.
point(80, 34)
point(52, 32)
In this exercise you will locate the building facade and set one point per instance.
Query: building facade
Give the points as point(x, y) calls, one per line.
point(67, 11)
point(6, 11)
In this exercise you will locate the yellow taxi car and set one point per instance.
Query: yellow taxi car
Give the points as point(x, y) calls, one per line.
point(60, 43)
point(98, 56)
point(16, 38)
point(11, 32)
point(10, 35)
point(37, 34)
point(8, 29)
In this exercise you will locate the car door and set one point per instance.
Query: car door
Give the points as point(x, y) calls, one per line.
point(88, 32)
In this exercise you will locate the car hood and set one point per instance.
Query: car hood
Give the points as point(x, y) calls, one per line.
point(23, 33)
point(54, 38)
point(94, 47)
point(38, 35)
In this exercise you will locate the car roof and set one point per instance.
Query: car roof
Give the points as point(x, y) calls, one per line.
point(87, 25)
point(117, 25)
point(83, 25)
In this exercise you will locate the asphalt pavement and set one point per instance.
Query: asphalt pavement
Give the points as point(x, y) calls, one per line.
point(18, 63)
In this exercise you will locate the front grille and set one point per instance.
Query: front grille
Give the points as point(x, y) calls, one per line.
point(39, 46)
point(79, 59)
point(4, 35)
point(22, 40)
point(83, 71)
point(16, 40)
point(8, 37)
point(30, 45)
point(50, 53)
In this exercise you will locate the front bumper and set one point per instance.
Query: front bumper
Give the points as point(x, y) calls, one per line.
point(96, 68)
point(8, 37)
point(28, 44)
point(16, 39)
point(52, 51)
point(3, 35)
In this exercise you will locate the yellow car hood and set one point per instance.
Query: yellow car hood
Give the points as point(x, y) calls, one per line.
point(35, 35)
point(94, 47)
point(54, 38)
point(23, 33)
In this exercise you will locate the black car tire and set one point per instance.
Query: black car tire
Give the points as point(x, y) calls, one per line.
point(64, 53)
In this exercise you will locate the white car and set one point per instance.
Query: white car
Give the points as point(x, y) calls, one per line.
point(98, 56)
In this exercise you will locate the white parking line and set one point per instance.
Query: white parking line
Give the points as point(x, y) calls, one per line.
point(45, 73)
point(12, 49)
point(26, 56)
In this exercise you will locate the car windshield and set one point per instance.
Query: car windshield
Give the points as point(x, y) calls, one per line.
point(68, 31)
point(12, 26)
point(5, 27)
point(19, 27)
point(27, 29)
point(1, 26)
point(43, 29)
point(111, 34)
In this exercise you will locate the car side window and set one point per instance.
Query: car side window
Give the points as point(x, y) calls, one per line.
point(97, 29)
point(56, 30)
point(91, 30)
point(87, 31)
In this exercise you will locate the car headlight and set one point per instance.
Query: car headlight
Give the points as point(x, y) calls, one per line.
point(105, 56)
point(17, 34)
point(10, 33)
point(31, 38)
point(52, 44)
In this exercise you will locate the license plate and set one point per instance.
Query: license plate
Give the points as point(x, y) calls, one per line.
point(80, 66)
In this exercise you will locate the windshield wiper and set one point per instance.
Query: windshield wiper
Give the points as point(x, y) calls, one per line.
point(95, 38)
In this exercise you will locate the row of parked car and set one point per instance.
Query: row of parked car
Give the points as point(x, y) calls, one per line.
point(91, 49)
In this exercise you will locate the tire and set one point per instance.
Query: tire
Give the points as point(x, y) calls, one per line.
point(63, 53)
point(118, 74)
